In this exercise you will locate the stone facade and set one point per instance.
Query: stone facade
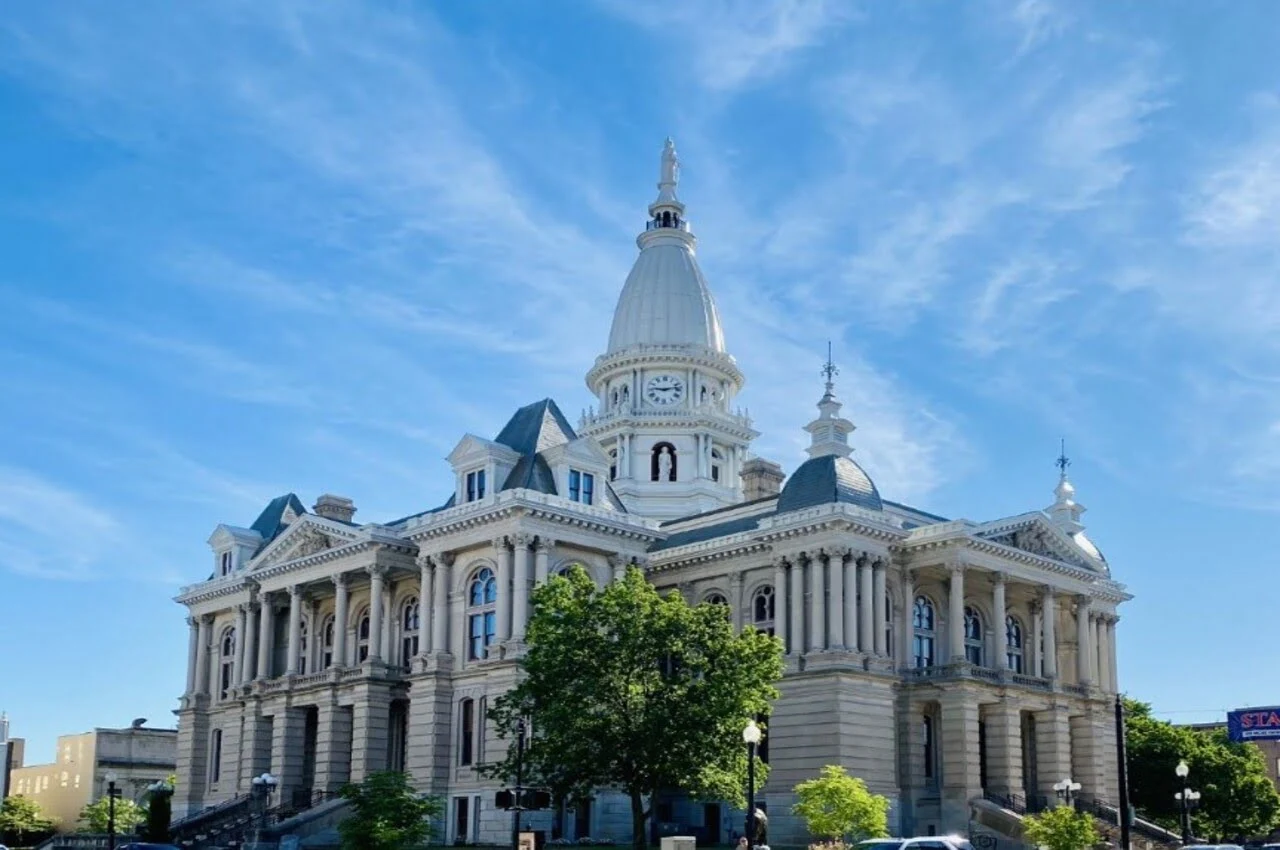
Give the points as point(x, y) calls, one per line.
point(938, 660)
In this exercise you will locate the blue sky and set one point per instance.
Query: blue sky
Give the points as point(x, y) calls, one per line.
point(262, 247)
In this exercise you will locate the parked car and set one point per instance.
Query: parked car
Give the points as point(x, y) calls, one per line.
point(925, 842)
point(150, 847)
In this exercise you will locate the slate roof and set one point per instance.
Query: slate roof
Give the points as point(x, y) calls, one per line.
point(269, 523)
point(827, 479)
point(709, 532)
point(535, 428)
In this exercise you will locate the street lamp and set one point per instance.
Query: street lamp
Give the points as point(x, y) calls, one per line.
point(518, 796)
point(112, 793)
point(751, 736)
point(1187, 800)
point(262, 787)
point(1066, 790)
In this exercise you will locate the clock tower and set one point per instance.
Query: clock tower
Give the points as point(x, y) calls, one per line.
point(666, 385)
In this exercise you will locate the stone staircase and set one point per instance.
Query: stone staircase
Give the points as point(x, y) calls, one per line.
point(995, 823)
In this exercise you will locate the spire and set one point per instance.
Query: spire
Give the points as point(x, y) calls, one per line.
point(830, 432)
point(667, 211)
point(1065, 510)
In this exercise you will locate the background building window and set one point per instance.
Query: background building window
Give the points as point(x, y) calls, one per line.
point(410, 622)
point(973, 637)
point(582, 487)
point(924, 627)
point(482, 613)
point(475, 485)
point(466, 732)
point(763, 609)
point(326, 656)
point(362, 638)
point(1013, 640)
point(215, 756)
point(226, 662)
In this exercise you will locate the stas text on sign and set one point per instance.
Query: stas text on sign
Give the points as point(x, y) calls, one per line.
point(1254, 724)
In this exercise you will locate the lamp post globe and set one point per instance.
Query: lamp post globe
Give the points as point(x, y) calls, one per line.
point(1182, 770)
point(1187, 799)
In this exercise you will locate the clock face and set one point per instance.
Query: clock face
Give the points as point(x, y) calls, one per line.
point(664, 389)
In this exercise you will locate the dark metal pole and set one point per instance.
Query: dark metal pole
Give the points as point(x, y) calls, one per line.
point(111, 816)
point(751, 795)
point(1122, 775)
point(519, 789)
point(1186, 815)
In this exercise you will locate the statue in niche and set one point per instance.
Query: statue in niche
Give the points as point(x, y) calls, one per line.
point(626, 394)
point(664, 463)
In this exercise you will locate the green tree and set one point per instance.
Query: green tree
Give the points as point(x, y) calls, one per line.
point(629, 689)
point(159, 812)
point(386, 814)
point(20, 818)
point(1237, 798)
point(837, 806)
point(96, 816)
point(1061, 828)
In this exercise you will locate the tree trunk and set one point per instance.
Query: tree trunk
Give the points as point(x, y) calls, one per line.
point(638, 817)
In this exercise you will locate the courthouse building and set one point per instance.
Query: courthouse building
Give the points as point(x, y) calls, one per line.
point(940, 660)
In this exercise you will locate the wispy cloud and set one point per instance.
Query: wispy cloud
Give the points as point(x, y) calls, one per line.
point(51, 531)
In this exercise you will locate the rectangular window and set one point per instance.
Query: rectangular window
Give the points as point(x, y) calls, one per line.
point(483, 629)
point(215, 756)
point(582, 487)
point(466, 734)
point(225, 562)
point(461, 819)
point(927, 732)
point(475, 485)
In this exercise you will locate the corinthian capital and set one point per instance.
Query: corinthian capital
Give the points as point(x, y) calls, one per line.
point(522, 540)
point(500, 543)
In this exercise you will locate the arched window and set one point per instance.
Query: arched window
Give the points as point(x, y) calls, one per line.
point(1013, 640)
point(226, 662)
point(924, 626)
point(326, 643)
point(763, 609)
point(362, 638)
point(304, 644)
point(662, 463)
point(973, 637)
point(410, 621)
point(716, 599)
point(717, 460)
point(482, 613)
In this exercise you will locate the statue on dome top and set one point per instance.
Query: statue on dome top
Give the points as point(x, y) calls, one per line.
point(670, 163)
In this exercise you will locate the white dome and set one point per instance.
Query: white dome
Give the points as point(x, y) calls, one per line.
point(666, 300)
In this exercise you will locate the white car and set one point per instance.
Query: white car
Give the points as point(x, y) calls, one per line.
point(926, 842)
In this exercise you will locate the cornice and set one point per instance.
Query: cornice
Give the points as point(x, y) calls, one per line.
point(647, 355)
point(729, 423)
point(551, 509)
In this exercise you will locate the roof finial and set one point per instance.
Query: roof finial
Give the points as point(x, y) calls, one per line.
point(1063, 461)
point(830, 370)
point(670, 174)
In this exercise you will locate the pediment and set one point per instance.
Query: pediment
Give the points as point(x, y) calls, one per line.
point(471, 448)
point(585, 450)
point(228, 535)
point(1036, 535)
point(305, 537)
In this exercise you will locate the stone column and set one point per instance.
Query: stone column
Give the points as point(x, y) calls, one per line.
point(866, 608)
point(1088, 754)
point(850, 570)
point(797, 643)
point(440, 603)
point(376, 575)
point(1049, 602)
point(369, 720)
point(1037, 642)
point(202, 654)
point(287, 732)
point(737, 605)
point(998, 614)
point(1004, 748)
point(955, 619)
point(1084, 673)
point(266, 630)
point(424, 606)
point(961, 769)
point(237, 669)
point(295, 630)
point(906, 655)
point(1113, 655)
point(879, 593)
point(1096, 656)
point(520, 597)
point(835, 616)
point(341, 602)
point(780, 601)
point(541, 557)
point(817, 603)
point(385, 648)
point(504, 590)
point(193, 653)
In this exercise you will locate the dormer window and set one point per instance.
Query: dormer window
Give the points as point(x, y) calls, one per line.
point(225, 562)
point(475, 485)
point(582, 487)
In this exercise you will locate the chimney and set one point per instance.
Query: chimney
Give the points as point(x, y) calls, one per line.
point(330, 506)
point(761, 478)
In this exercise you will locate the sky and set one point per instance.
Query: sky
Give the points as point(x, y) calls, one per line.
point(258, 247)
